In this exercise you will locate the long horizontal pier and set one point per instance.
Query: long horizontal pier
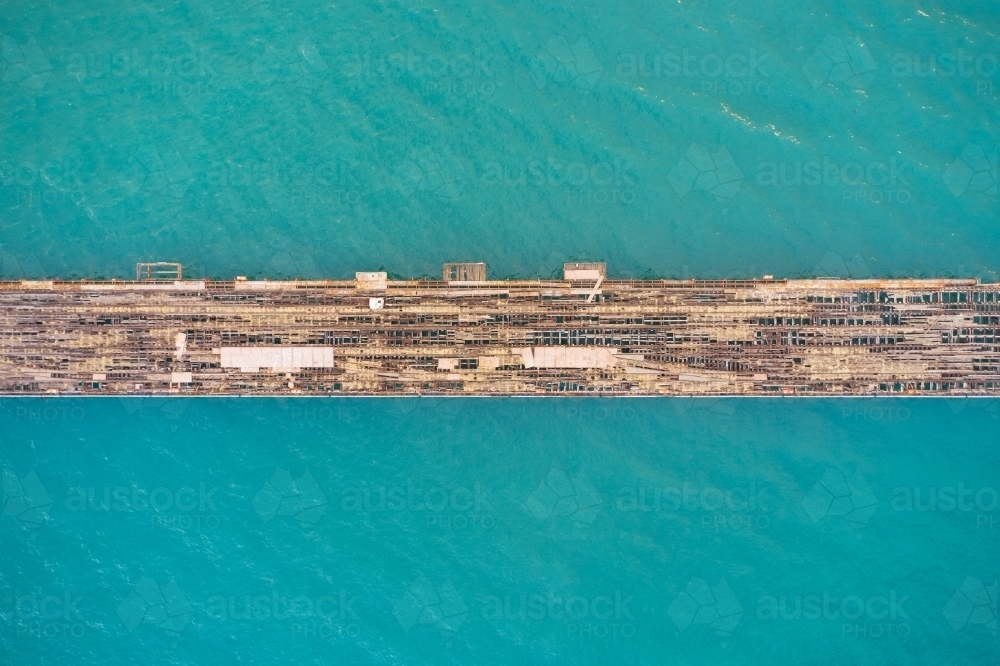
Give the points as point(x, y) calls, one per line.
point(463, 334)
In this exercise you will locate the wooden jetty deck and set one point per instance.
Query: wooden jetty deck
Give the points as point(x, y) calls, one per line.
point(465, 335)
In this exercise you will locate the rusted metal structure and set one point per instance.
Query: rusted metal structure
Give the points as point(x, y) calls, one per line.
point(158, 270)
point(582, 335)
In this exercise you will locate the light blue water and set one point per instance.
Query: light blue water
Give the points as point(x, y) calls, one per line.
point(310, 139)
point(450, 496)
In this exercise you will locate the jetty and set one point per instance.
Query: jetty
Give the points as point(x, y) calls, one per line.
point(582, 335)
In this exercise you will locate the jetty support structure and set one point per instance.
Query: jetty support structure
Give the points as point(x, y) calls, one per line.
point(585, 334)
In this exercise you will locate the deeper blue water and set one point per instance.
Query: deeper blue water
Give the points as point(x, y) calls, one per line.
point(308, 139)
point(501, 531)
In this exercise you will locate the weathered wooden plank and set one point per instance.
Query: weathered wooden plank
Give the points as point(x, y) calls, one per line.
point(620, 337)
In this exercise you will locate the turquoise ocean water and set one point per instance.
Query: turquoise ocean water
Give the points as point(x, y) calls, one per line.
point(306, 139)
point(490, 531)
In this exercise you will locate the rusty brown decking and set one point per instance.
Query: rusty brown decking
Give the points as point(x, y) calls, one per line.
point(376, 337)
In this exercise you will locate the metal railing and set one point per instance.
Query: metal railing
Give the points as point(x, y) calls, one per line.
point(158, 270)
